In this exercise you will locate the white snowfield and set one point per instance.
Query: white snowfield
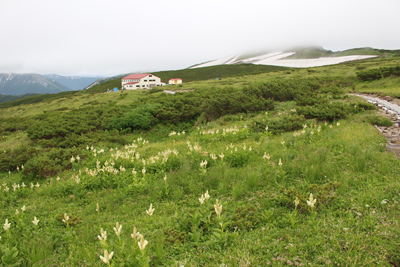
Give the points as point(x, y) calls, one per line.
point(278, 59)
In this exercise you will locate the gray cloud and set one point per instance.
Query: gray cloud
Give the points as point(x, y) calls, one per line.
point(112, 37)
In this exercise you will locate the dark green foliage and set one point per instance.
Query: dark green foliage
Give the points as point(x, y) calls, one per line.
point(378, 120)
point(72, 128)
point(231, 101)
point(11, 159)
point(15, 124)
point(333, 111)
point(288, 90)
point(330, 112)
point(279, 124)
point(141, 118)
point(49, 163)
point(8, 98)
point(325, 193)
point(174, 237)
point(30, 99)
point(365, 106)
point(246, 217)
point(379, 73)
point(238, 158)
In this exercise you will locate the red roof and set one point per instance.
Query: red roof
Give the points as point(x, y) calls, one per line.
point(176, 79)
point(132, 83)
point(136, 76)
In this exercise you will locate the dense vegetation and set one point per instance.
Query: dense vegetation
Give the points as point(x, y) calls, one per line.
point(378, 73)
point(8, 98)
point(288, 171)
point(29, 99)
point(57, 132)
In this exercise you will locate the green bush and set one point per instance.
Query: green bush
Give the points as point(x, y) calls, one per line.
point(49, 163)
point(379, 73)
point(378, 120)
point(10, 159)
point(279, 124)
point(231, 101)
point(330, 112)
point(141, 118)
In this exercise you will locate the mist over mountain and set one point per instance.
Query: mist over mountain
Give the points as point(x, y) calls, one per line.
point(73, 82)
point(20, 84)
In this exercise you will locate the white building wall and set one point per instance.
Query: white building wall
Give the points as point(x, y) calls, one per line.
point(146, 82)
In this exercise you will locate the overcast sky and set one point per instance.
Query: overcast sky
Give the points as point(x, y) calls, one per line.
point(104, 37)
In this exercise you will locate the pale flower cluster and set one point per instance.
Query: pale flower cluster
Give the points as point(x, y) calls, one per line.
point(224, 131)
point(204, 197)
point(176, 133)
point(197, 148)
point(311, 202)
point(150, 210)
point(218, 208)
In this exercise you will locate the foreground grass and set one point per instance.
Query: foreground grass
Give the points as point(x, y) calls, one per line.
point(344, 165)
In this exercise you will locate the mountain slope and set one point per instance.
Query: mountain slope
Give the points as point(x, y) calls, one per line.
point(19, 84)
point(300, 57)
point(72, 82)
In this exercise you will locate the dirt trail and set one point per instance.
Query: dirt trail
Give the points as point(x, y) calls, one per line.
point(390, 108)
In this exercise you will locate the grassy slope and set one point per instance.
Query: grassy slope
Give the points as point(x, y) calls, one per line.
point(82, 98)
point(185, 74)
point(345, 167)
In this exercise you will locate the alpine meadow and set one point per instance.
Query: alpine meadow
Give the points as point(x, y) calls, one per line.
point(264, 166)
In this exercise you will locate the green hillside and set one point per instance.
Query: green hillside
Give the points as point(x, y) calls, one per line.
point(8, 98)
point(200, 74)
point(274, 168)
point(316, 52)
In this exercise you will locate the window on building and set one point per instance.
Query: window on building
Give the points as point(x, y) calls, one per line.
point(150, 75)
point(137, 85)
point(145, 80)
point(143, 85)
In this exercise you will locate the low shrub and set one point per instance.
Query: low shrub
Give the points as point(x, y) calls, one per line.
point(141, 118)
point(378, 120)
point(279, 124)
point(379, 73)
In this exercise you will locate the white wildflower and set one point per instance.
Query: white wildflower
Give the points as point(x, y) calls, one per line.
point(6, 225)
point(35, 221)
point(107, 257)
point(135, 234)
point(218, 208)
point(117, 229)
point(142, 243)
point(103, 235)
point(312, 201)
point(150, 210)
point(206, 195)
point(201, 199)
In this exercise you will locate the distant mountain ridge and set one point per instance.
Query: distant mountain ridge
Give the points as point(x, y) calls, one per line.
point(33, 83)
point(73, 82)
point(20, 84)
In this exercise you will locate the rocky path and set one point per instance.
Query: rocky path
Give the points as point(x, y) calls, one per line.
point(390, 108)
